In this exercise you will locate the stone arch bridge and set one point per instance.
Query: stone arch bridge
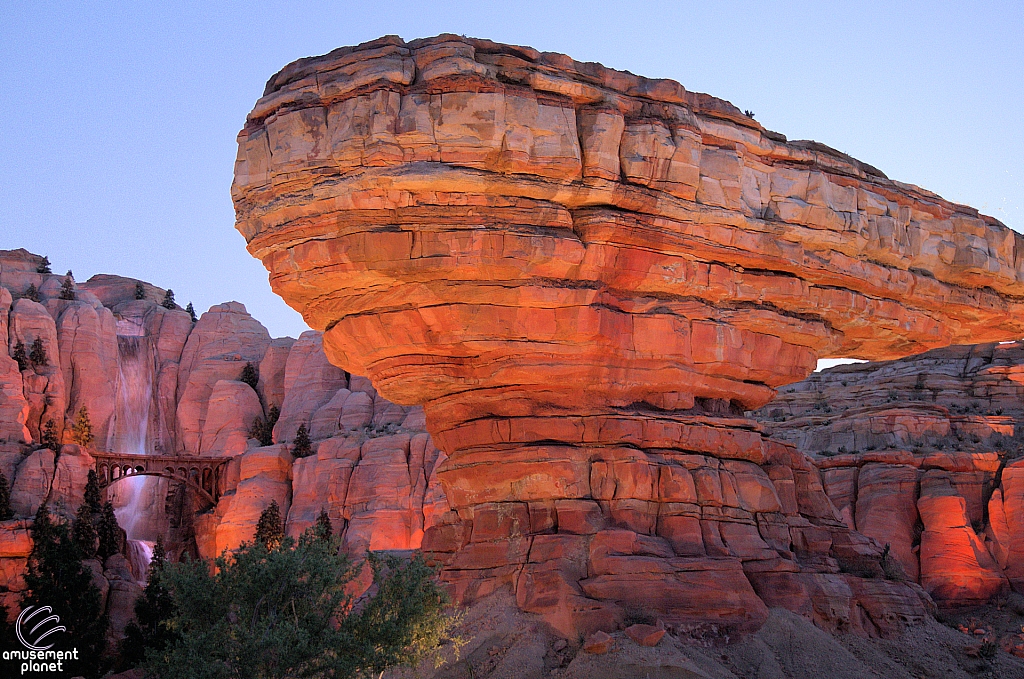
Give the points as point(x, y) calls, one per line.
point(205, 475)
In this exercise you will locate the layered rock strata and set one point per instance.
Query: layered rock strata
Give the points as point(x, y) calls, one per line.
point(924, 454)
point(586, 277)
point(154, 381)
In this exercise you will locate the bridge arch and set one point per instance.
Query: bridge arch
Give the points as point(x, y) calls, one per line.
point(206, 495)
point(202, 474)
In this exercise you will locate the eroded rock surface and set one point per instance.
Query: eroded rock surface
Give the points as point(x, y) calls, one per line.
point(585, 277)
point(924, 454)
point(153, 381)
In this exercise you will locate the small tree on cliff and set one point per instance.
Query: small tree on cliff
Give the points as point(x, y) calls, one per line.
point(48, 439)
point(150, 631)
point(191, 312)
point(250, 375)
point(168, 302)
point(270, 528)
point(285, 612)
point(109, 532)
point(37, 355)
point(44, 266)
point(140, 290)
point(20, 355)
point(263, 429)
point(84, 532)
point(322, 529)
point(81, 430)
point(93, 498)
point(6, 513)
point(302, 446)
point(67, 288)
point(56, 577)
point(32, 293)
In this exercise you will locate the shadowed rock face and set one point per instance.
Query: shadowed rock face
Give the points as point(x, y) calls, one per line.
point(585, 277)
point(923, 453)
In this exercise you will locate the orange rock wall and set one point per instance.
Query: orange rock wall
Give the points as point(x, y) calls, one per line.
point(374, 470)
point(585, 278)
point(922, 454)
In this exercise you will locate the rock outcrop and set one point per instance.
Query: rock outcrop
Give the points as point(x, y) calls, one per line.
point(923, 454)
point(153, 381)
point(585, 278)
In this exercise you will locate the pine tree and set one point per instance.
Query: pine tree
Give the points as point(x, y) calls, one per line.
point(70, 275)
point(322, 529)
point(249, 375)
point(191, 311)
point(44, 266)
point(84, 532)
point(140, 291)
point(109, 532)
point(168, 302)
point(6, 513)
point(57, 577)
point(153, 611)
point(67, 288)
point(81, 430)
point(37, 355)
point(20, 355)
point(302, 446)
point(269, 529)
point(32, 293)
point(93, 499)
point(263, 429)
point(48, 439)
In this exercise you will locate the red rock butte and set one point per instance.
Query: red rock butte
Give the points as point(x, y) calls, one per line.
point(586, 277)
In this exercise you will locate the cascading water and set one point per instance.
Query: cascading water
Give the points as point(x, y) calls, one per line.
point(129, 433)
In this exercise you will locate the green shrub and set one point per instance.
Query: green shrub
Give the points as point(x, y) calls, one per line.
point(284, 612)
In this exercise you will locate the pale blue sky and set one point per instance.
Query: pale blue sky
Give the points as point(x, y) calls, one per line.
point(118, 120)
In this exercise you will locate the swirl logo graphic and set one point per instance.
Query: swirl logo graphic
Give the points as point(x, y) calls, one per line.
point(47, 625)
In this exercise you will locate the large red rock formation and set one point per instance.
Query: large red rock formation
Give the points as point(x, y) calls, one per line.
point(923, 454)
point(585, 277)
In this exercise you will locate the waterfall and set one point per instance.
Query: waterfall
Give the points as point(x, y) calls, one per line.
point(130, 433)
point(140, 554)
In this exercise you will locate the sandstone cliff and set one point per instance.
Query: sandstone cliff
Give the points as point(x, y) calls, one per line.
point(153, 381)
point(585, 277)
point(924, 454)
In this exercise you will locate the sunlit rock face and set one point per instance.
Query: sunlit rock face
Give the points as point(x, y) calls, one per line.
point(586, 277)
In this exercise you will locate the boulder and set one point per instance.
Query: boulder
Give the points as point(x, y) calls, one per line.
point(230, 412)
point(223, 340)
point(310, 382)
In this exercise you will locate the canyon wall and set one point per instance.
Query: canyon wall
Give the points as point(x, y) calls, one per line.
point(924, 454)
point(586, 277)
point(372, 466)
